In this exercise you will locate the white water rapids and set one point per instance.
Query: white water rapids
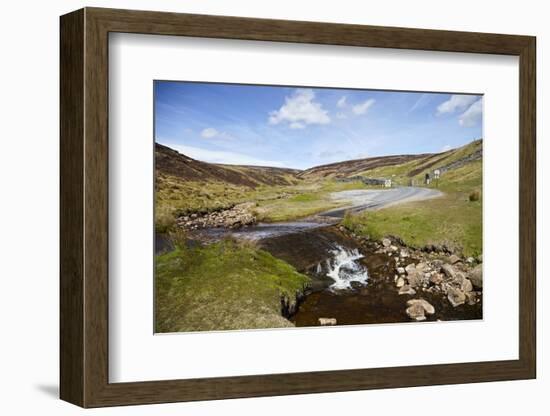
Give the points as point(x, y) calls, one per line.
point(344, 268)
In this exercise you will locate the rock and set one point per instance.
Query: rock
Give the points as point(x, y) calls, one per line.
point(470, 260)
point(453, 259)
point(404, 253)
point(416, 312)
point(456, 296)
point(414, 278)
point(448, 271)
point(401, 270)
point(422, 266)
point(327, 321)
point(407, 290)
point(428, 308)
point(393, 249)
point(400, 282)
point(386, 242)
point(480, 258)
point(476, 276)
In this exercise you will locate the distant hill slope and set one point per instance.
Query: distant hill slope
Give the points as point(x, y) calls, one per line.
point(352, 167)
point(170, 162)
point(402, 168)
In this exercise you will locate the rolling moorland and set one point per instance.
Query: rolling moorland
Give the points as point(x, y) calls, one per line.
point(191, 195)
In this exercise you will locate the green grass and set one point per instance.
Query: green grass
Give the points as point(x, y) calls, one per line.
point(223, 286)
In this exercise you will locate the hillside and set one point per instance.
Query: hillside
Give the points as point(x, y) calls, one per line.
point(353, 167)
point(405, 169)
point(172, 163)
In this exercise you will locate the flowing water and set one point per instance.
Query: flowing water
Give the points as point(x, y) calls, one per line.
point(344, 268)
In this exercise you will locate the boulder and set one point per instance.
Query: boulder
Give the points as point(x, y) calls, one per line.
point(448, 271)
point(401, 270)
point(476, 276)
point(400, 282)
point(416, 312)
point(422, 267)
point(404, 253)
point(428, 308)
point(327, 321)
point(456, 296)
point(386, 242)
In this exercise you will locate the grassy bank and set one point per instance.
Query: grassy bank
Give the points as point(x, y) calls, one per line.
point(227, 285)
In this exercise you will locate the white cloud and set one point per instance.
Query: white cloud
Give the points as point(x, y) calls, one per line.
point(299, 110)
point(363, 107)
point(445, 148)
point(472, 115)
point(221, 156)
point(211, 133)
point(341, 102)
point(456, 103)
point(341, 115)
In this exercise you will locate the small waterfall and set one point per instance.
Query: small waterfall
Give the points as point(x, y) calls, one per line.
point(344, 268)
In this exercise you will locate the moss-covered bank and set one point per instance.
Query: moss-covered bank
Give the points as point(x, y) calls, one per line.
point(223, 286)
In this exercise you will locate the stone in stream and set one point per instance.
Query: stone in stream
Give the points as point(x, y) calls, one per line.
point(428, 308)
point(456, 296)
point(327, 321)
point(416, 312)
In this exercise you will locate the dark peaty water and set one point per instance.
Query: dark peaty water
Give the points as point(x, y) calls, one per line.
point(363, 301)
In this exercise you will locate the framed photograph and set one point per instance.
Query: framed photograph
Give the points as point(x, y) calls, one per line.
point(255, 207)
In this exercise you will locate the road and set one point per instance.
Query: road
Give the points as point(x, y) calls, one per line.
point(371, 199)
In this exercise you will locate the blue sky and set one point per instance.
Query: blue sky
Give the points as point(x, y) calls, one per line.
point(306, 127)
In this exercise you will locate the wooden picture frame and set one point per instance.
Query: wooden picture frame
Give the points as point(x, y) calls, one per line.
point(84, 207)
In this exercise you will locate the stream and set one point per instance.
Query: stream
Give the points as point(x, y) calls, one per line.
point(350, 281)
